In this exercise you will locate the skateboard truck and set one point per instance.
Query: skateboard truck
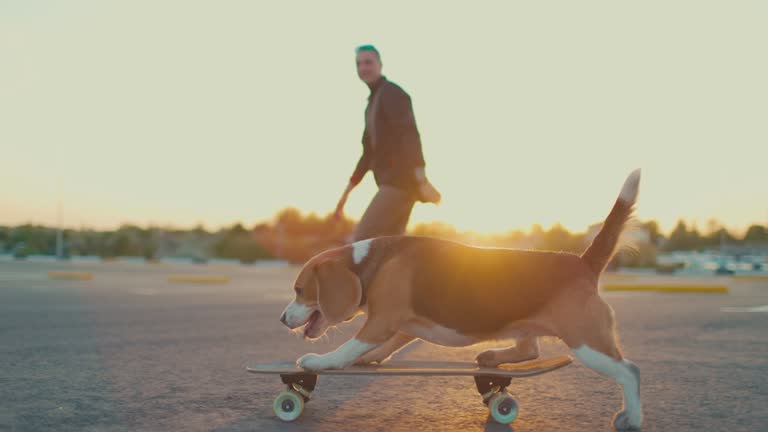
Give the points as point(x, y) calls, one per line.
point(290, 404)
point(304, 384)
point(493, 389)
point(488, 385)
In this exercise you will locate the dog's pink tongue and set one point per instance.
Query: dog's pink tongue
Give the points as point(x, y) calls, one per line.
point(311, 322)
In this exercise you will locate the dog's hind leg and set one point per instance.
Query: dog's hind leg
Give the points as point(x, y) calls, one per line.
point(593, 340)
point(526, 348)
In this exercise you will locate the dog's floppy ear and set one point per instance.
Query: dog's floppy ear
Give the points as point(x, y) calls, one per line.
point(338, 291)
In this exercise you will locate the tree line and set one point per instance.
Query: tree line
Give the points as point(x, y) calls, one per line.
point(295, 236)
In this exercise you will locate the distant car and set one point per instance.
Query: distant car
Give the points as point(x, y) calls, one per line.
point(724, 271)
point(20, 251)
point(669, 268)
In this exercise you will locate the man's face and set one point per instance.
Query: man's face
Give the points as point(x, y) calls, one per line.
point(368, 66)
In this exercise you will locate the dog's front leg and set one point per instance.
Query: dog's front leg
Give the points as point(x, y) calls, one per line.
point(344, 356)
point(369, 337)
point(386, 350)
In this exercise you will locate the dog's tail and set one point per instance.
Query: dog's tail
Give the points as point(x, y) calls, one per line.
point(603, 246)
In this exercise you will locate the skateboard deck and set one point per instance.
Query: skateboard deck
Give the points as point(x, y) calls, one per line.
point(423, 368)
point(491, 382)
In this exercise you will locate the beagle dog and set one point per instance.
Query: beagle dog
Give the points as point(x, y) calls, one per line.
point(456, 295)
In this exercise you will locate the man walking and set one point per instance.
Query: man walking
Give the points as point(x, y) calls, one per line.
point(392, 150)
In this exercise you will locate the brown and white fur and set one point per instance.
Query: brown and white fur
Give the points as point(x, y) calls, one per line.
point(456, 295)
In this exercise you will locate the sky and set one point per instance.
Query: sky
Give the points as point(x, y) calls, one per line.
point(189, 112)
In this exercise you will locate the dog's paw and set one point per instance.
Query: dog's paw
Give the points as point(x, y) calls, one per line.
point(364, 361)
point(623, 421)
point(371, 360)
point(487, 359)
point(372, 357)
point(367, 360)
point(495, 357)
point(312, 362)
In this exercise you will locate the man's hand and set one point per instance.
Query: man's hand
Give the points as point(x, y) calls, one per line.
point(338, 214)
point(428, 193)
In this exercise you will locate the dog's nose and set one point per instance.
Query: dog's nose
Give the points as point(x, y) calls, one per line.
point(282, 319)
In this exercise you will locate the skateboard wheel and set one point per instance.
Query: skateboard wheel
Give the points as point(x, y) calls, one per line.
point(503, 408)
point(288, 405)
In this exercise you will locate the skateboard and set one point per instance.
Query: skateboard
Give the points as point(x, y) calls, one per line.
point(491, 382)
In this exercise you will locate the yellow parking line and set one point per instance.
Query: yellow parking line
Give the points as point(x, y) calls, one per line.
point(198, 279)
point(714, 289)
point(750, 277)
point(69, 275)
point(620, 275)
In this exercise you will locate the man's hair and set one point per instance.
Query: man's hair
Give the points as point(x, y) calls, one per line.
point(368, 48)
